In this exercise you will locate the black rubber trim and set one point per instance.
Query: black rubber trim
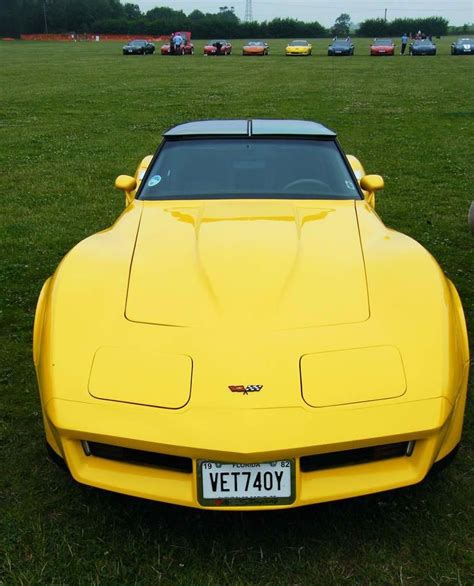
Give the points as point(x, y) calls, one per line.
point(353, 457)
point(140, 457)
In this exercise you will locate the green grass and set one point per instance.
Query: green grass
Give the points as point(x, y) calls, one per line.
point(72, 117)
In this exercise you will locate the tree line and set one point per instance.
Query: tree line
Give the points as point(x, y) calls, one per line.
point(377, 27)
point(111, 16)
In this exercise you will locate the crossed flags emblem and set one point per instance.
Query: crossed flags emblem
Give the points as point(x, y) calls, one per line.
point(245, 390)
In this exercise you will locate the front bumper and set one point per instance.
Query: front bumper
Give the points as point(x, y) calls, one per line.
point(249, 437)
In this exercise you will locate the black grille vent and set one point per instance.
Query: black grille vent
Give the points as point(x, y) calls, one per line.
point(353, 457)
point(119, 454)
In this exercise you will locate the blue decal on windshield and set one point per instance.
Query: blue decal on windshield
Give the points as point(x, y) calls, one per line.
point(154, 180)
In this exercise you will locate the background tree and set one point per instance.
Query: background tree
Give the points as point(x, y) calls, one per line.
point(342, 25)
point(378, 27)
point(132, 11)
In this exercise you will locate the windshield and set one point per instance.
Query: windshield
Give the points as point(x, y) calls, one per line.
point(249, 168)
point(341, 44)
point(422, 42)
point(255, 43)
point(299, 43)
point(383, 42)
point(138, 43)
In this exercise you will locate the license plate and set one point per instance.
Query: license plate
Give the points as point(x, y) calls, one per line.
point(223, 484)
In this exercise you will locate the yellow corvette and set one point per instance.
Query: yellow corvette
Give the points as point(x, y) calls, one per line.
point(248, 334)
point(298, 48)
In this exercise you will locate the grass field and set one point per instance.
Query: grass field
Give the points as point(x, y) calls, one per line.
point(72, 117)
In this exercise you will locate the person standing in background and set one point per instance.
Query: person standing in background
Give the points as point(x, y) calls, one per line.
point(178, 42)
point(404, 43)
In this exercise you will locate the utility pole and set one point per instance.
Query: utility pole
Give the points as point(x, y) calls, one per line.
point(248, 11)
point(45, 17)
point(385, 17)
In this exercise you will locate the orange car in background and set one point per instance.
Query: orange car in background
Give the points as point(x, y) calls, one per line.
point(255, 48)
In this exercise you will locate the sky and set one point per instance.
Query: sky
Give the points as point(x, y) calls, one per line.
point(456, 11)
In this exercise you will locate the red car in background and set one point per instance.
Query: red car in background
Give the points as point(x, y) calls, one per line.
point(187, 48)
point(218, 47)
point(382, 47)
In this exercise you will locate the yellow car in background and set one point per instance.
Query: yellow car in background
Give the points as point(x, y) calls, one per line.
point(249, 334)
point(299, 47)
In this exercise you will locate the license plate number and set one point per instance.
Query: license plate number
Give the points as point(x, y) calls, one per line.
point(225, 484)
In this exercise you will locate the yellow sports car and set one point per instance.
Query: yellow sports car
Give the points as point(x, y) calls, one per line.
point(248, 334)
point(298, 48)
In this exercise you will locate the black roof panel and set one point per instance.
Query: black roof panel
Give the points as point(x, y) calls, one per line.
point(259, 127)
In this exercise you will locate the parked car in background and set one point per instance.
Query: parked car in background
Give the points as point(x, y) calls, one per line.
point(138, 47)
point(463, 47)
point(218, 47)
point(298, 47)
point(422, 47)
point(187, 48)
point(255, 48)
point(340, 47)
point(382, 47)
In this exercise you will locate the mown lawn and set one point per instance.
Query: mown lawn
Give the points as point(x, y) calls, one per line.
point(72, 117)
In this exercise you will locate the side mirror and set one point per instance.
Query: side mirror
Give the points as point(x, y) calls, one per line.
point(371, 184)
point(128, 185)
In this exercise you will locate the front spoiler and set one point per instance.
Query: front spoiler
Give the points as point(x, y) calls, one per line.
point(253, 436)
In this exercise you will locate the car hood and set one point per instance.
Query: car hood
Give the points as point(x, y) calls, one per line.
point(274, 263)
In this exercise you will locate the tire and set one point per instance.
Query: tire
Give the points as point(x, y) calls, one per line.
point(53, 457)
point(442, 464)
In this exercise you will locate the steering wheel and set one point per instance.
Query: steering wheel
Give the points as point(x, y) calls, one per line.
point(310, 182)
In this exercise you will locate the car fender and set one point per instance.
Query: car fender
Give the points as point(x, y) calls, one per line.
point(92, 279)
point(39, 320)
